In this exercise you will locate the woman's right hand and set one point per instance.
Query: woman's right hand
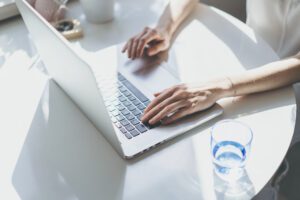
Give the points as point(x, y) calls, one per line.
point(185, 99)
point(150, 41)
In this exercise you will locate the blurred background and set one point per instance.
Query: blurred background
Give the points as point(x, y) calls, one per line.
point(236, 8)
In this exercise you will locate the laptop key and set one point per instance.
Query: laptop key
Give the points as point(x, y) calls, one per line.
point(126, 93)
point(131, 107)
point(124, 122)
point(130, 117)
point(136, 102)
point(126, 103)
point(114, 120)
point(122, 98)
point(122, 88)
point(115, 113)
point(118, 95)
point(116, 102)
point(139, 116)
point(131, 98)
point(141, 127)
point(134, 133)
point(128, 135)
point(120, 107)
point(135, 91)
point(129, 127)
point(123, 130)
point(118, 125)
point(111, 108)
point(121, 77)
point(120, 117)
point(125, 112)
point(147, 103)
point(135, 121)
point(136, 113)
point(128, 96)
point(141, 107)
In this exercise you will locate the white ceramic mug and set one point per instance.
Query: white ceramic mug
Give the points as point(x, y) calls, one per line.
point(98, 11)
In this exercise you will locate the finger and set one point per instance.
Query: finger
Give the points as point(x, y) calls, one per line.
point(155, 49)
point(142, 44)
point(125, 47)
point(133, 48)
point(178, 115)
point(165, 94)
point(157, 94)
point(158, 108)
point(128, 42)
point(145, 39)
point(130, 47)
point(168, 110)
point(136, 41)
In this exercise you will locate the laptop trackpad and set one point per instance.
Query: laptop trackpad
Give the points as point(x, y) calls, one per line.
point(148, 73)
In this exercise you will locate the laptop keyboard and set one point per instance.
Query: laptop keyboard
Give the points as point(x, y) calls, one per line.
point(126, 107)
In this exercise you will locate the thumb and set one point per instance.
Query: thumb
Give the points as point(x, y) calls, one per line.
point(157, 94)
point(156, 48)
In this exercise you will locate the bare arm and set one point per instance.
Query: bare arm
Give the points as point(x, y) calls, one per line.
point(271, 76)
point(182, 100)
point(154, 40)
point(175, 12)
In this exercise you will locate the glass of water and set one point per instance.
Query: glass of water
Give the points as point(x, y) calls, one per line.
point(230, 147)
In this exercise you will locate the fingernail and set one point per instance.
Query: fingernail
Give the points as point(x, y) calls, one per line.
point(151, 122)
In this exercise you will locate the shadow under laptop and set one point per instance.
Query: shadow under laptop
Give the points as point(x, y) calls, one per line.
point(65, 157)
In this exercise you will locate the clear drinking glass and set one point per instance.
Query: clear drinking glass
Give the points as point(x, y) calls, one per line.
point(230, 148)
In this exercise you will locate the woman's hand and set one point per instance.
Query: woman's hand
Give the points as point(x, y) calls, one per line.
point(182, 100)
point(150, 41)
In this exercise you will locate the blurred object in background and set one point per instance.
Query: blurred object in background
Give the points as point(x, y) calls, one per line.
point(237, 8)
point(8, 9)
point(51, 10)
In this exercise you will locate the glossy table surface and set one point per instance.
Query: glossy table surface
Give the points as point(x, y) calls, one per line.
point(50, 150)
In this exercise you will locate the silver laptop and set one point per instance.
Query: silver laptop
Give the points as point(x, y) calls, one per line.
point(111, 94)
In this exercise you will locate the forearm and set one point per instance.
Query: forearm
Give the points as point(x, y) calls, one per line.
point(271, 76)
point(175, 12)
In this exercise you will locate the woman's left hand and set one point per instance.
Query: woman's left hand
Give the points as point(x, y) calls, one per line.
point(182, 100)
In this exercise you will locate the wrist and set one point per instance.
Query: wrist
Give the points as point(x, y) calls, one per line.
point(165, 29)
point(222, 88)
point(227, 87)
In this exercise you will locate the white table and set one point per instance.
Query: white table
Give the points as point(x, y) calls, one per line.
point(49, 149)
